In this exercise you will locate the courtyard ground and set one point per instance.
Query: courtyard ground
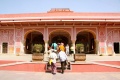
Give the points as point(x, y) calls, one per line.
point(95, 67)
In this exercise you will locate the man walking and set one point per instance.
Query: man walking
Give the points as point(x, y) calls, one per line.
point(63, 58)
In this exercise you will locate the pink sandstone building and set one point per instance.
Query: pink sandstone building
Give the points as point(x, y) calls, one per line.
point(98, 32)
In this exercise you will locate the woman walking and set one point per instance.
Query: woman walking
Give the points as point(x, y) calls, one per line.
point(52, 61)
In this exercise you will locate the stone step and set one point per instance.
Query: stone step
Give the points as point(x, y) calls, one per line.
point(58, 65)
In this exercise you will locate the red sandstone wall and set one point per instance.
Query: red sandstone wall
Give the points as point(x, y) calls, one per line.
point(105, 35)
point(7, 36)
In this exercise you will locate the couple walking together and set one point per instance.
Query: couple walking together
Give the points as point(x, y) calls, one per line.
point(52, 60)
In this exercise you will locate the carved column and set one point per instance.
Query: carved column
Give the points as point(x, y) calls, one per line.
point(73, 37)
point(46, 46)
point(46, 39)
point(73, 44)
point(96, 46)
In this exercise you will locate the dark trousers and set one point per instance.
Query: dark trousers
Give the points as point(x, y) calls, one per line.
point(63, 64)
point(53, 67)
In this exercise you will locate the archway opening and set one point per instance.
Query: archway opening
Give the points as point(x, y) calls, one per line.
point(5, 47)
point(59, 36)
point(32, 38)
point(116, 47)
point(85, 42)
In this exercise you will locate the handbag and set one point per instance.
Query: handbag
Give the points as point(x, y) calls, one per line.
point(66, 62)
point(50, 61)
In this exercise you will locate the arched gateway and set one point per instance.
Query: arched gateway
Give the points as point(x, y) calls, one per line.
point(59, 36)
point(31, 38)
point(85, 42)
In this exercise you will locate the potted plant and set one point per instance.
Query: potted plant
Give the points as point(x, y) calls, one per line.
point(80, 48)
point(80, 55)
point(37, 52)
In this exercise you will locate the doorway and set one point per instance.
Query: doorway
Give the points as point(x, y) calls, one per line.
point(59, 36)
point(32, 38)
point(116, 47)
point(4, 47)
point(85, 42)
point(59, 39)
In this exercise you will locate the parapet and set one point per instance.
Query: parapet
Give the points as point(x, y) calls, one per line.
point(60, 10)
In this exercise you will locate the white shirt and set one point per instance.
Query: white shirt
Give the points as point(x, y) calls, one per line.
point(49, 51)
point(53, 56)
point(67, 47)
point(62, 56)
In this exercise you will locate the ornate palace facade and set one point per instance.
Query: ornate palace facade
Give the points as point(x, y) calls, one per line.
point(98, 32)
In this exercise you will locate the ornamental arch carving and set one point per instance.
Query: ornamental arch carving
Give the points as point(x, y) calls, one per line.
point(87, 30)
point(113, 35)
point(31, 38)
point(27, 31)
point(87, 38)
point(59, 35)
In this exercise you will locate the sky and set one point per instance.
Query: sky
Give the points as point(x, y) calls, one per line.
point(37, 6)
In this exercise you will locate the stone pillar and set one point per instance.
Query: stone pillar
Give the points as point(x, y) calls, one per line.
point(22, 47)
point(96, 46)
point(46, 46)
point(73, 44)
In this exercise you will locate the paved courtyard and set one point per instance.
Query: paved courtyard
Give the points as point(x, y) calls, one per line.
point(17, 75)
point(27, 75)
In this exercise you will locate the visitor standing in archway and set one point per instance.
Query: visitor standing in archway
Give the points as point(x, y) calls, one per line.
point(67, 49)
point(62, 47)
point(54, 45)
point(71, 50)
